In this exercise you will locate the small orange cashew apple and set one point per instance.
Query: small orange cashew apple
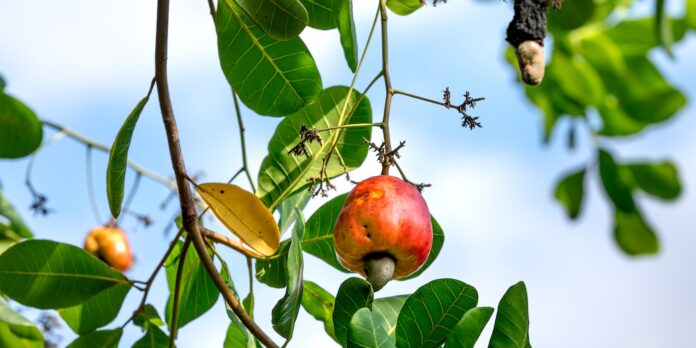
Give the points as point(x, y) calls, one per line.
point(110, 245)
point(383, 231)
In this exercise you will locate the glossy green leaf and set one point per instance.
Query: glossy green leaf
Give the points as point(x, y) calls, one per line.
point(17, 331)
point(571, 15)
point(285, 312)
point(32, 272)
point(430, 314)
point(404, 7)
point(468, 330)
point(248, 304)
point(321, 14)
point(148, 317)
point(20, 129)
point(353, 294)
point(438, 241)
point(237, 337)
point(366, 331)
point(318, 239)
point(280, 19)
point(95, 312)
point(282, 174)
point(511, 328)
point(98, 339)
point(197, 294)
point(319, 303)
point(658, 179)
point(287, 209)
point(633, 234)
point(154, 338)
point(271, 77)
point(388, 309)
point(16, 225)
point(118, 159)
point(614, 184)
point(343, 10)
point(570, 192)
point(273, 270)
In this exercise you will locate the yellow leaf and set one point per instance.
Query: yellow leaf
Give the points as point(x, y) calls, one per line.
point(243, 214)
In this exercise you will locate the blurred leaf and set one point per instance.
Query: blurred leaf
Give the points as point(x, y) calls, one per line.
point(576, 79)
point(3, 84)
point(572, 15)
point(637, 36)
point(318, 238)
point(118, 159)
point(20, 129)
point(570, 192)
point(602, 53)
point(663, 29)
point(273, 270)
point(438, 241)
point(154, 338)
point(365, 330)
point(98, 339)
point(280, 19)
point(468, 330)
point(286, 310)
point(343, 10)
point(614, 184)
point(354, 293)
point(512, 321)
point(658, 179)
point(319, 303)
point(321, 14)
point(690, 15)
point(95, 312)
point(243, 214)
point(16, 224)
point(197, 293)
point(148, 317)
point(287, 209)
point(17, 331)
point(430, 314)
point(633, 234)
point(615, 121)
point(271, 77)
point(282, 174)
point(388, 308)
point(404, 7)
point(33, 271)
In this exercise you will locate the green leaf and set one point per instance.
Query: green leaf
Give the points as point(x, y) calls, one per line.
point(614, 184)
point(430, 314)
point(318, 238)
point(281, 174)
point(637, 36)
point(571, 15)
point(438, 241)
point(154, 338)
point(576, 78)
point(32, 272)
point(148, 317)
point(17, 331)
point(570, 192)
point(287, 209)
point(273, 270)
point(271, 77)
point(237, 336)
point(658, 179)
point(20, 129)
point(404, 7)
point(388, 308)
point(468, 330)
point(280, 19)
point(285, 311)
point(3, 84)
point(346, 28)
point(16, 224)
point(365, 331)
point(511, 328)
point(98, 339)
point(95, 312)
point(663, 29)
point(690, 15)
point(615, 121)
point(321, 14)
point(197, 293)
point(353, 294)
point(633, 234)
point(118, 159)
point(319, 303)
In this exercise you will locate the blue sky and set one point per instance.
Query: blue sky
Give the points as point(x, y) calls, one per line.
point(85, 64)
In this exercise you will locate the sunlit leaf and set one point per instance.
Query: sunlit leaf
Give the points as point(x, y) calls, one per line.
point(319, 303)
point(570, 192)
point(243, 214)
point(237, 337)
point(321, 14)
point(98, 339)
point(17, 331)
point(511, 328)
point(32, 272)
point(285, 311)
point(148, 317)
point(271, 77)
point(16, 224)
point(614, 184)
point(154, 338)
point(118, 159)
point(97, 311)
point(287, 209)
point(318, 239)
point(343, 10)
point(388, 309)
point(282, 174)
point(430, 314)
point(280, 19)
point(633, 234)
point(658, 179)
point(468, 330)
point(20, 129)
point(365, 330)
point(354, 293)
point(690, 15)
point(404, 7)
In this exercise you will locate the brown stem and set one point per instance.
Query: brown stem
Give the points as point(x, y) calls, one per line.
point(177, 292)
point(387, 86)
point(188, 207)
point(234, 244)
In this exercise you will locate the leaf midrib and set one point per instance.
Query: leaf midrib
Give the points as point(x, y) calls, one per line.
point(66, 275)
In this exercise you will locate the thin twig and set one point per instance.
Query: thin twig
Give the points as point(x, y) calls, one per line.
point(231, 243)
point(90, 186)
point(245, 165)
point(177, 292)
point(396, 91)
point(387, 85)
point(131, 195)
point(251, 283)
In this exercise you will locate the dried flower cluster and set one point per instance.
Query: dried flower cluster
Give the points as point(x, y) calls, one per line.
point(468, 121)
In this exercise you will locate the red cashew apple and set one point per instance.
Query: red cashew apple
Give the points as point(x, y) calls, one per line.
point(110, 245)
point(383, 231)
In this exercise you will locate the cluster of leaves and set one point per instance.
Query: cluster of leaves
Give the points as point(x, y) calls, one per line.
point(600, 75)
